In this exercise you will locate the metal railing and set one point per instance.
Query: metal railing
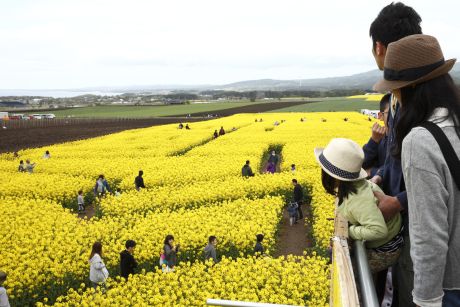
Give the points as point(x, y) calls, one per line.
point(215, 302)
point(366, 282)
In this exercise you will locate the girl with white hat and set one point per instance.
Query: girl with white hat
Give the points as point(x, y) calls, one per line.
point(343, 176)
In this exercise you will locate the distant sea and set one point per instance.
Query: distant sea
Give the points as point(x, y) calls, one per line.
point(53, 93)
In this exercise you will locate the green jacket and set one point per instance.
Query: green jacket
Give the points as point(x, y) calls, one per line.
point(367, 221)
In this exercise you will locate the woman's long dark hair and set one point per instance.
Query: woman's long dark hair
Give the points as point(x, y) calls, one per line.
point(168, 237)
point(97, 249)
point(345, 188)
point(418, 104)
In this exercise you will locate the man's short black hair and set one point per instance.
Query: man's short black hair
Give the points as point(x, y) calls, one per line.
point(247, 161)
point(395, 21)
point(211, 239)
point(130, 243)
point(384, 102)
point(294, 180)
point(259, 237)
point(141, 173)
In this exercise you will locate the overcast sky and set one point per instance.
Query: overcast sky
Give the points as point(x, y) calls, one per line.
point(51, 44)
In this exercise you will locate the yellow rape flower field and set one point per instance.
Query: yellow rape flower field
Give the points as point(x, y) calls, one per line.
point(370, 97)
point(194, 190)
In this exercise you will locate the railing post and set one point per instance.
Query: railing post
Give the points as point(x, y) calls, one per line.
point(343, 292)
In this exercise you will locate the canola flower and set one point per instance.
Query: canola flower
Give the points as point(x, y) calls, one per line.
point(297, 280)
point(373, 97)
point(194, 189)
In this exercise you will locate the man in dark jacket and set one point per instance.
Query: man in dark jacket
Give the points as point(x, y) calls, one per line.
point(139, 181)
point(221, 131)
point(246, 171)
point(394, 22)
point(298, 196)
point(375, 150)
point(127, 261)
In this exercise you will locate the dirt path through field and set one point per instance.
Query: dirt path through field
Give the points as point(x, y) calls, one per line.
point(88, 213)
point(293, 240)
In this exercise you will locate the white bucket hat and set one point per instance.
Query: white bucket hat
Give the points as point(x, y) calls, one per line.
point(342, 159)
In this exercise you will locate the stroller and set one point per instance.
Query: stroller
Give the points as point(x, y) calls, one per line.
point(293, 212)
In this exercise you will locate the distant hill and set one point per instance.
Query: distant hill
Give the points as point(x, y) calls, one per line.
point(362, 81)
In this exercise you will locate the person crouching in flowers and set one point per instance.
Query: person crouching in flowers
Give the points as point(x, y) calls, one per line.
point(98, 273)
point(342, 176)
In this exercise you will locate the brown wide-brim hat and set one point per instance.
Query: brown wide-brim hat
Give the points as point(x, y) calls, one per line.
point(412, 60)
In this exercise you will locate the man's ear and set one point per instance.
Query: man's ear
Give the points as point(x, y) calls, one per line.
point(380, 49)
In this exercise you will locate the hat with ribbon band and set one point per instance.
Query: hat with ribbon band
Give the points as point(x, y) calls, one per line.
point(412, 60)
point(342, 159)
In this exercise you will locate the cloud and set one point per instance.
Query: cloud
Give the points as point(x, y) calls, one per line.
point(63, 44)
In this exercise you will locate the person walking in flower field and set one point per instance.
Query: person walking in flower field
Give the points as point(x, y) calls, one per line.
point(3, 295)
point(139, 181)
point(127, 261)
point(342, 176)
point(298, 197)
point(98, 273)
point(80, 201)
point(102, 186)
point(274, 158)
point(293, 211)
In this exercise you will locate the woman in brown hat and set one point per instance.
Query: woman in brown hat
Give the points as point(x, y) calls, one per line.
point(428, 143)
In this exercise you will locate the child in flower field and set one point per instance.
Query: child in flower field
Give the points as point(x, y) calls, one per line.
point(98, 273)
point(293, 212)
point(22, 167)
point(3, 296)
point(80, 201)
point(169, 256)
point(343, 176)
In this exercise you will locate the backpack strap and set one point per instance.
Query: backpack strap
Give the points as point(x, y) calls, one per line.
point(447, 150)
